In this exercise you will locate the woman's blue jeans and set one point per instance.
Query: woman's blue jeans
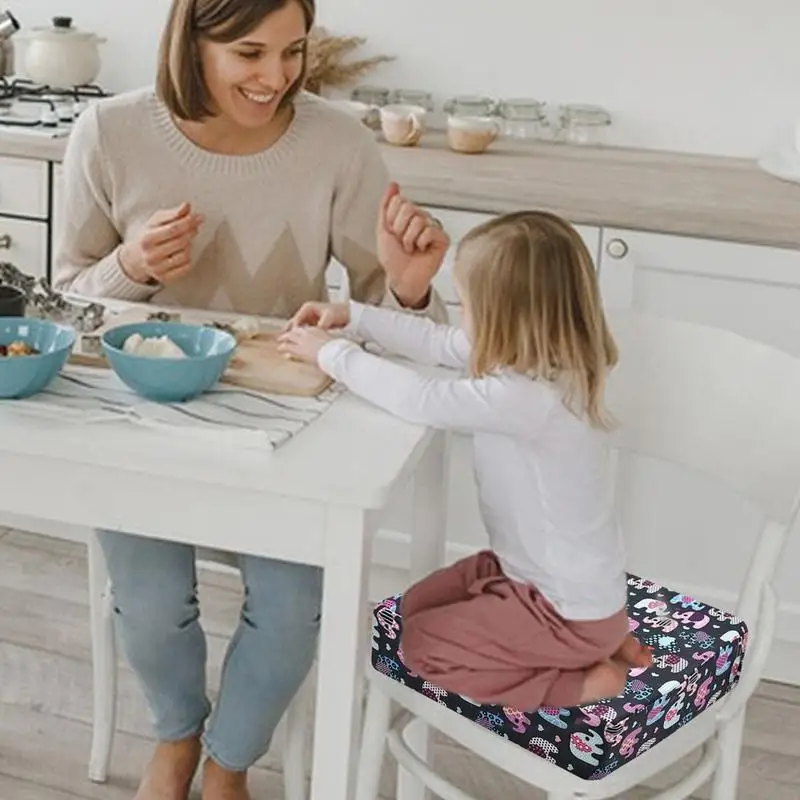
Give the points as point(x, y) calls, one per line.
point(154, 586)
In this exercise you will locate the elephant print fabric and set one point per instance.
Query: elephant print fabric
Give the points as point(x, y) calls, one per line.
point(697, 659)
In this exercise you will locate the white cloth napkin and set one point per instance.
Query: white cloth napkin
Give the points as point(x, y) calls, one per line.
point(225, 415)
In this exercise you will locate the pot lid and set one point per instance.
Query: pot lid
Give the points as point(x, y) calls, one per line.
point(61, 29)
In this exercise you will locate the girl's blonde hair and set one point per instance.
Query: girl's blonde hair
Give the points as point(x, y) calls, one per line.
point(534, 306)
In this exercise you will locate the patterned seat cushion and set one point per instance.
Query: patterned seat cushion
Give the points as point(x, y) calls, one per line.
point(697, 652)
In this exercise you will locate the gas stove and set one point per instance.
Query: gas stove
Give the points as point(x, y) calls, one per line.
point(30, 109)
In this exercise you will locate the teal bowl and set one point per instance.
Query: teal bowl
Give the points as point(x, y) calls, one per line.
point(23, 376)
point(170, 380)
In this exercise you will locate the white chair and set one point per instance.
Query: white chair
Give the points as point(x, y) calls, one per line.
point(707, 400)
point(104, 665)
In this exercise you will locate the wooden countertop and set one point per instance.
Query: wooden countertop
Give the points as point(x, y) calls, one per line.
point(694, 195)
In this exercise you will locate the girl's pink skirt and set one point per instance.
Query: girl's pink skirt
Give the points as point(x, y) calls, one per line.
point(472, 631)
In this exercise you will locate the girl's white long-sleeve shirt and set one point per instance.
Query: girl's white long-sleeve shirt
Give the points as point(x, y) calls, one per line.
point(542, 473)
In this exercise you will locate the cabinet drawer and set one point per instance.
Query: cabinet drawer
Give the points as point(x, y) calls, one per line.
point(701, 257)
point(23, 242)
point(23, 187)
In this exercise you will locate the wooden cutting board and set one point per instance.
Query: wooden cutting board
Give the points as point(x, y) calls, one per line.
point(256, 363)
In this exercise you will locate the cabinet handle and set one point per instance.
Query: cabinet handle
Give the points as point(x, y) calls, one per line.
point(617, 248)
point(5, 241)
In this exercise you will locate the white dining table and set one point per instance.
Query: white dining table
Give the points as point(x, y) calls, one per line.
point(318, 499)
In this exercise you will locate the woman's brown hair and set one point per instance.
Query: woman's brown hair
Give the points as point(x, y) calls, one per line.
point(534, 306)
point(179, 80)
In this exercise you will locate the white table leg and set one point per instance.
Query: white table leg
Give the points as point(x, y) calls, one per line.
point(427, 554)
point(342, 652)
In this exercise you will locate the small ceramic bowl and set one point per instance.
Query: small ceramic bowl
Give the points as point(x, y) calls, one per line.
point(170, 380)
point(25, 375)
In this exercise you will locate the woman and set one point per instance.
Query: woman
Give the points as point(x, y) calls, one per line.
point(228, 188)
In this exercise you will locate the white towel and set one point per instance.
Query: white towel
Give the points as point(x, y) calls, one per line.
point(226, 415)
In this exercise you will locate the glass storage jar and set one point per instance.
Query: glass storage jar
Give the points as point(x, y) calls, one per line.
point(523, 117)
point(370, 95)
point(584, 124)
point(412, 97)
point(373, 97)
point(467, 105)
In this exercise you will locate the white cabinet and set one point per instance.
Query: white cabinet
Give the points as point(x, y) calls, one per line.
point(752, 290)
point(57, 213)
point(696, 533)
point(23, 242)
point(24, 187)
point(24, 208)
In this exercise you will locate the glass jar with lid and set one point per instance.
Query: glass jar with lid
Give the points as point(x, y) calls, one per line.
point(412, 97)
point(372, 98)
point(584, 124)
point(523, 117)
point(370, 95)
point(467, 105)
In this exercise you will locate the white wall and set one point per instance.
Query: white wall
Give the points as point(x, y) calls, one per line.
point(700, 75)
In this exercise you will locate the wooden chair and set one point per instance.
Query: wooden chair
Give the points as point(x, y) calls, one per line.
point(104, 665)
point(709, 401)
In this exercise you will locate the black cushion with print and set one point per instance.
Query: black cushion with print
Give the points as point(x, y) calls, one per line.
point(697, 658)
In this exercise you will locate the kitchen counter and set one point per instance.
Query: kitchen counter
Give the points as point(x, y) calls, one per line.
point(694, 195)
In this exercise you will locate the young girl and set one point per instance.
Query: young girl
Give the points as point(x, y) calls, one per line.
point(540, 619)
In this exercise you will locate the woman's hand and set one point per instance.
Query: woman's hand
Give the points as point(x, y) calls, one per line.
point(320, 315)
point(162, 252)
point(303, 344)
point(411, 247)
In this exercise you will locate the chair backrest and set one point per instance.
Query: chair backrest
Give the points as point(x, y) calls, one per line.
point(712, 401)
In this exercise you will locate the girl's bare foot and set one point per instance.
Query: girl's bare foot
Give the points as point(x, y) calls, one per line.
point(633, 653)
point(171, 770)
point(222, 784)
point(603, 681)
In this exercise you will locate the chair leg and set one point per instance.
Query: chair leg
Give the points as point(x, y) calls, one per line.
point(373, 743)
point(726, 776)
point(104, 665)
point(296, 745)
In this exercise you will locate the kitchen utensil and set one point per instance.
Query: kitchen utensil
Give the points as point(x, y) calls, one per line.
point(402, 125)
point(8, 27)
point(170, 380)
point(8, 24)
point(257, 364)
point(12, 301)
point(23, 376)
point(44, 302)
point(61, 56)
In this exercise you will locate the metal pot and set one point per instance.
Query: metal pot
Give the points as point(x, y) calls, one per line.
point(8, 27)
point(61, 56)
